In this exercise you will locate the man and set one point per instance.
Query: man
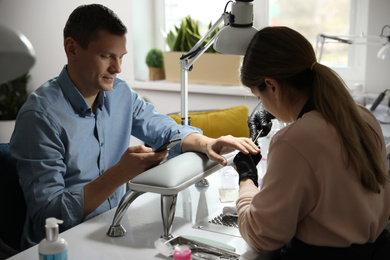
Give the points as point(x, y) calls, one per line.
point(71, 136)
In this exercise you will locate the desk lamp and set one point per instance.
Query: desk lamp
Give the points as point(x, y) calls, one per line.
point(17, 55)
point(383, 54)
point(233, 38)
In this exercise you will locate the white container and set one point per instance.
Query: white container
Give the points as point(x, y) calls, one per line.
point(228, 189)
point(358, 94)
point(53, 247)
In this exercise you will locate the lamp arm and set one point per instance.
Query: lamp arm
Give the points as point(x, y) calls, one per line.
point(383, 28)
point(196, 50)
point(208, 33)
point(384, 36)
point(336, 38)
point(320, 40)
point(196, 55)
point(186, 65)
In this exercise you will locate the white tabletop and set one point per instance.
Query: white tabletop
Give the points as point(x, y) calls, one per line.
point(144, 225)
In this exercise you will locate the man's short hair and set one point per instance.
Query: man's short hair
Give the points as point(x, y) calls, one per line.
point(86, 21)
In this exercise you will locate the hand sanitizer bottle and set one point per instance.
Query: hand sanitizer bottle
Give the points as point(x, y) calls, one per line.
point(53, 247)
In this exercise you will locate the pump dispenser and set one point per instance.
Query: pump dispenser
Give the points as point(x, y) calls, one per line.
point(53, 247)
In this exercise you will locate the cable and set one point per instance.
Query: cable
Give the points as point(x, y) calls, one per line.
point(378, 100)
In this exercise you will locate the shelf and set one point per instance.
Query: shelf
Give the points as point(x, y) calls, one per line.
point(165, 86)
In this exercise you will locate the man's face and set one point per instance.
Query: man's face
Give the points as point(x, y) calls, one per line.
point(98, 65)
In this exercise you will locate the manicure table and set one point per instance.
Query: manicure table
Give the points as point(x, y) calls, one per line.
point(166, 179)
point(143, 222)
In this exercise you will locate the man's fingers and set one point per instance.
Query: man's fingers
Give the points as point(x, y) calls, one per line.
point(139, 149)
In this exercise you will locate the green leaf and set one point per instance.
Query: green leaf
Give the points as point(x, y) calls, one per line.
point(13, 94)
point(179, 40)
point(187, 35)
point(171, 39)
point(192, 38)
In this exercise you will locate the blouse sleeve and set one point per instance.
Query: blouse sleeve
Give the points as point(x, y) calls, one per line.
point(268, 218)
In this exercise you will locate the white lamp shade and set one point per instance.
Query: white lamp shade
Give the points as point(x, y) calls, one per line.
point(384, 52)
point(234, 40)
point(17, 54)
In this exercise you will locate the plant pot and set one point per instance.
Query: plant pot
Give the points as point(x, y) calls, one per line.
point(6, 130)
point(156, 73)
point(210, 68)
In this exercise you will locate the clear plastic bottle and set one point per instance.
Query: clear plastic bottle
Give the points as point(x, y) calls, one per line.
point(228, 190)
point(358, 94)
point(53, 247)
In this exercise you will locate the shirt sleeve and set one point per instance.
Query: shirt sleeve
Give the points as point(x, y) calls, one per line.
point(155, 129)
point(268, 218)
point(37, 146)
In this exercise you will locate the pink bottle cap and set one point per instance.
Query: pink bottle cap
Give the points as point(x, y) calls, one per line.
point(182, 253)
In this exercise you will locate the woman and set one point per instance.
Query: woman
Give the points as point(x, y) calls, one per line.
point(326, 193)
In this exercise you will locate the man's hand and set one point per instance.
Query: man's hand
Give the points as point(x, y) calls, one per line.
point(227, 144)
point(215, 148)
point(137, 159)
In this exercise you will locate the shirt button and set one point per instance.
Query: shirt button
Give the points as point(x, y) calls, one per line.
point(101, 144)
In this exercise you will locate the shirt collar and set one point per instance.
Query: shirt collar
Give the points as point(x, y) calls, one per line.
point(74, 96)
point(100, 99)
point(306, 108)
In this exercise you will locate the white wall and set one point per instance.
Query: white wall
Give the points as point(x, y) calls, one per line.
point(143, 39)
point(42, 21)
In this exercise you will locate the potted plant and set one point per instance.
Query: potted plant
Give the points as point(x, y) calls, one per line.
point(13, 94)
point(211, 68)
point(187, 35)
point(155, 61)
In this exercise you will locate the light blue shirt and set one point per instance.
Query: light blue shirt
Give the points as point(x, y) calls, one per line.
point(61, 145)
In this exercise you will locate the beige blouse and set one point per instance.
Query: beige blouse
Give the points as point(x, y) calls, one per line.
point(308, 192)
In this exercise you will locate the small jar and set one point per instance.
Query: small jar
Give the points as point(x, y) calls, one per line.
point(182, 253)
point(228, 189)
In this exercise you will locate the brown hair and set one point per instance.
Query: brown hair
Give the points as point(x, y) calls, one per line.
point(286, 56)
point(86, 21)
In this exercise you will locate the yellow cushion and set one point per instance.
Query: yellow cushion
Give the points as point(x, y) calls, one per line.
point(216, 123)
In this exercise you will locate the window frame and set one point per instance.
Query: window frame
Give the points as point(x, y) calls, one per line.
point(351, 74)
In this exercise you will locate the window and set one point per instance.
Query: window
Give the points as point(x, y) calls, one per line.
point(309, 17)
point(203, 11)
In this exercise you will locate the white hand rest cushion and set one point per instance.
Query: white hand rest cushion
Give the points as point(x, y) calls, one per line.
point(176, 174)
